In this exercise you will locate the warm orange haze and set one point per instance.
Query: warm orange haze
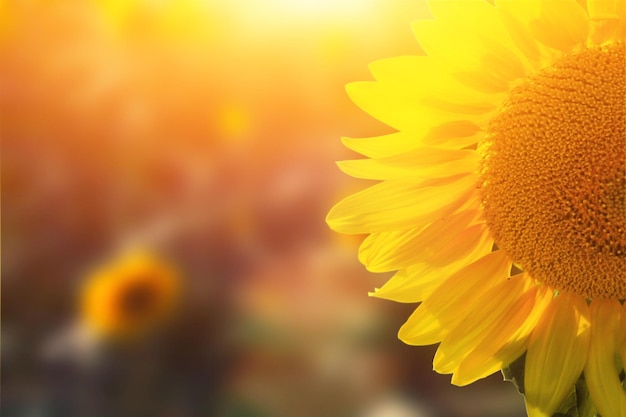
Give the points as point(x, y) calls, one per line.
point(205, 133)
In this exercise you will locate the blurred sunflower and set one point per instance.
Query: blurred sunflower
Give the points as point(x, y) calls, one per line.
point(502, 202)
point(129, 296)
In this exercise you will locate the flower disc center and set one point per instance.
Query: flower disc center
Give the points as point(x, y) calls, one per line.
point(553, 175)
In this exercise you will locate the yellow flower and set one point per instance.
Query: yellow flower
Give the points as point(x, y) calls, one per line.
point(129, 296)
point(502, 197)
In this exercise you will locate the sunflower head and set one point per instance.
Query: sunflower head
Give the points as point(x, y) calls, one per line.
point(129, 296)
point(554, 177)
point(501, 197)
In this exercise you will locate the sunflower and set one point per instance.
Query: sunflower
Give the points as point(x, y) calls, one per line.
point(129, 296)
point(501, 195)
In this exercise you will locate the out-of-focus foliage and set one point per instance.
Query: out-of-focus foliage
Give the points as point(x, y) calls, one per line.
point(208, 130)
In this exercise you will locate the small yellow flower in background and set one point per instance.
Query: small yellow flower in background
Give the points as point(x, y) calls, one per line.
point(129, 296)
point(502, 195)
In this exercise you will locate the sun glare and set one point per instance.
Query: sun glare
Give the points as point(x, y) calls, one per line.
point(286, 12)
point(318, 7)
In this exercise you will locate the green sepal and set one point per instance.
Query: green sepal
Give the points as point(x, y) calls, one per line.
point(569, 407)
point(514, 373)
point(586, 408)
point(577, 404)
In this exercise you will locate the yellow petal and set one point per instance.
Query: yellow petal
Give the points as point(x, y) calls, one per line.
point(414, 290)
point(431, 81)
point(408, 110)
point(420, 163)
point(494, 304)
point(463, 245)
point(469, 37)
point(601, 372)
point(621, 11)
point(481, 21)
point(507, 338)
point(606, 20)
point(399, 205)
point(384, 146)
point(566, 15)
point(557, 351)
point(477, 23)
point(517, 16)
point(457, 134)
point(388, 251)
point(520, 35)
point(437, 42)
point(621, 346)
point(414, 284)
point(448, 305)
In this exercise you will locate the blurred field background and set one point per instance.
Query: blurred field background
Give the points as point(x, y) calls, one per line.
point(206, 130)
